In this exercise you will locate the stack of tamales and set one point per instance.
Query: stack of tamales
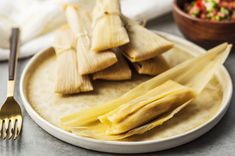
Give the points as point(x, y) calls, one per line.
point(101, 44)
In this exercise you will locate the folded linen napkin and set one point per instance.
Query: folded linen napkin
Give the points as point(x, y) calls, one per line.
point(38, 19)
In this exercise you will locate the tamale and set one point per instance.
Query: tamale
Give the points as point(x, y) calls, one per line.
point(144, 110)
point(152, 66)
point(88, 61)
point(147, 107)
point(118, 71)
point(144, 44)
point(108, 29)
point(134, 105)
point(96, 130)
point(68, 80)
point(194, 73)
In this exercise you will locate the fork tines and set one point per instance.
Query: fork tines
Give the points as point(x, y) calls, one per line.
point(10, 127)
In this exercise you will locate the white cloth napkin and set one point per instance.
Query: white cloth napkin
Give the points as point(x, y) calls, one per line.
point(38, 19)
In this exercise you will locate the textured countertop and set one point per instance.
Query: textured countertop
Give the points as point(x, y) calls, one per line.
point(37, 142)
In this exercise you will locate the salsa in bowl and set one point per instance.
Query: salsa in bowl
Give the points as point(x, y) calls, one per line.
point(193, 19)
point(212, 10)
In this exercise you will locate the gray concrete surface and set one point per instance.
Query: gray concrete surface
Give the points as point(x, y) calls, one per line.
point(36, 142)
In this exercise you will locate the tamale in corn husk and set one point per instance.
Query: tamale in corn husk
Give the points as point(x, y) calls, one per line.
point(68, 80)
point(108, 29)
point(144, 44)
point(194, 73)
point(88, 61)
point(152, 66)
point(147, 107)
point(98, 131)
point(118, 71)
point(153, 108)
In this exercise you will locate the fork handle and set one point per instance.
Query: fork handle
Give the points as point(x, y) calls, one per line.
point(14, 44)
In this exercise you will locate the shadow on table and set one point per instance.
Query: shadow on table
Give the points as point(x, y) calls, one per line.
point(10, 146)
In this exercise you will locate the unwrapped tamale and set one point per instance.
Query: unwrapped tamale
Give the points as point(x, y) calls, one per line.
point(98, 131)
point(152, 108)
point(147, 107)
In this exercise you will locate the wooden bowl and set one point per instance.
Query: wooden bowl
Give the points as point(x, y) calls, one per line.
point(200, 31)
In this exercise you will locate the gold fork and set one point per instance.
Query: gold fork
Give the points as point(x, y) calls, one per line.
point(10, 112)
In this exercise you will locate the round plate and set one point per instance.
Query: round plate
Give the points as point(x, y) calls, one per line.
point(134, 146)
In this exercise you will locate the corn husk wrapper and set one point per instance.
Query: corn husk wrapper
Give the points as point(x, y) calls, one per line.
point(108, 29)
point(144, 44)
point(88, 61)
point(141, 114)
point(68, 80)
point(194, 73)
point(96, 130)
point(118, 71)
point(147, 107)
point(152, 66)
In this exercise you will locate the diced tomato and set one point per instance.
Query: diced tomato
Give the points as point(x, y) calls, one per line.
point(199, 4)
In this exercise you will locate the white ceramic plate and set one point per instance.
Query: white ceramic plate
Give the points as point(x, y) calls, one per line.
point(139, 146)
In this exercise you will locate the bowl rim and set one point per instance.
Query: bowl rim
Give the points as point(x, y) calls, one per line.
point(177, 9)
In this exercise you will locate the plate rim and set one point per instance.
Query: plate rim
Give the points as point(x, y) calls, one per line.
point(47, 125)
